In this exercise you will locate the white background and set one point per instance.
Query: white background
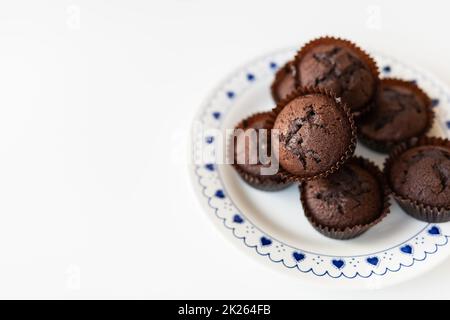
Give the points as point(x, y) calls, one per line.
point(96, 100)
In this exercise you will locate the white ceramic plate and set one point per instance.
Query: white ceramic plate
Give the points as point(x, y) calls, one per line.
point(271, 226)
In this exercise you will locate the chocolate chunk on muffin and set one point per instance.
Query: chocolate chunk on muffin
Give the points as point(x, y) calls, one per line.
point(419, 175)
point(348, 202)
point(402, 111)
point(340, 66)
point(284, 82)
point(316, 134)
point(246, 157)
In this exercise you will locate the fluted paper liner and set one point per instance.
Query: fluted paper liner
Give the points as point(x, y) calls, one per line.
point(363, 55)
point(267, 183)
point(413, 207)
point(301, 91)
point(279, 76)
point(354, 231)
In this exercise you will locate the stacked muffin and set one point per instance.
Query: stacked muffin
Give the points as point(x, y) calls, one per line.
point(329, 94)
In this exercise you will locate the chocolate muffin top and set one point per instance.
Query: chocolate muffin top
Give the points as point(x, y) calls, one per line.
point(315, 133)
point(257, 122)
point(284, 82)
point(337, 66)
point(349, 197)
point(423, 174)
point(402, 111)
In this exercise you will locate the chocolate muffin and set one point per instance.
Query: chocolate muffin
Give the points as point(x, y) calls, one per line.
point(348, 202)
point(316, 134)
point(250, 169)
point(419, 176)
point(340, 66)
point(284, 82)
point(402, 111)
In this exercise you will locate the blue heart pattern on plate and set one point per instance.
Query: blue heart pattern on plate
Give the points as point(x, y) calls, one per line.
point(338, 263)
point(373, 261)
point(230, 94)
point(237, 219)
point(209, 139)
point(434, 231)
point(434, 102)
point(298, 256)
point(406, 249)
point(265, 241)
point(219, 194)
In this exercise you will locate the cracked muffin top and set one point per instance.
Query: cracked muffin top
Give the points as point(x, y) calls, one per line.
point(401, 112)
point(314, 133)
point(422, 174)
point(340, 68)
point(347, 198)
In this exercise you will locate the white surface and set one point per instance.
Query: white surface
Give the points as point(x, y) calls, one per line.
point(87, 205)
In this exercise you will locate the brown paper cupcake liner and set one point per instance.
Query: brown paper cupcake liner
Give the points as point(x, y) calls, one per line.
point(300, 91)
point(412, 207)
point(265, 183)
point(386, 146)
point(352, 232)
point(279, 76)
point(370, 62)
